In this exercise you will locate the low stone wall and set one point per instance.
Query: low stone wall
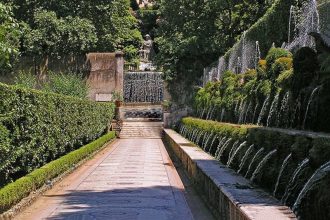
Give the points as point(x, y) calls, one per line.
point(228, 195)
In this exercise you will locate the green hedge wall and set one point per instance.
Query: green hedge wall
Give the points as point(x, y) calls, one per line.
point(12, 193)
point(299, 144)
point(38, 127)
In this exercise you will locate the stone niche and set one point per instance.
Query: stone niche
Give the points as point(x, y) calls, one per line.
point(105, 75)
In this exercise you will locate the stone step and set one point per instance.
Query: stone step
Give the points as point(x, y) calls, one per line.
point(140, 129)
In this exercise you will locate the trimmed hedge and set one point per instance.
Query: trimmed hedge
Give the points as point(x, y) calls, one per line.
point(21, 188)
point(299, 144)
point(38, 127)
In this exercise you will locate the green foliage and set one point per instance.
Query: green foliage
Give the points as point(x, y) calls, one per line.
point(44, 126)
point(66, 84)
point(76, 26)
point(276, 53)
point(192, 35)
point(285, 79)
point(148, 21)
point(14, 192)
point(26, 80)
point(299, 144)
point(9, 37)
point(55, 36)
point(234, 131)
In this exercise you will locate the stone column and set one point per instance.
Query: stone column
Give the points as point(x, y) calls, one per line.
point(120, 72)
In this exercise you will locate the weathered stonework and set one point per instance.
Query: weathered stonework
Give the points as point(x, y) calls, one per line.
point(227, 194)
point(105, 76)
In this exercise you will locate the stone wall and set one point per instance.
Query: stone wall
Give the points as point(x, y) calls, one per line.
point(228, 195)
point(105, 75)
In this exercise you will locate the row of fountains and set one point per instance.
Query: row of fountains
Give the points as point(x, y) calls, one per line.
point(252, 161)
point(245, 54)
point(282, 110)
point(143, 87)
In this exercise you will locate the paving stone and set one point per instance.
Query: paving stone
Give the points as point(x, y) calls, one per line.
point(136, 180)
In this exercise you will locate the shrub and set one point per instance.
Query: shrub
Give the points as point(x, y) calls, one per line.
point(284, 80)
point(21, 188)
point(66, 84)
point(43, 126)
point(26, 80)
point(280, 65)
point(276, 53)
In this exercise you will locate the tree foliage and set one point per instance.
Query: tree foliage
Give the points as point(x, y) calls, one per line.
point(193, 34)
point(9, 36)
point(77, 26)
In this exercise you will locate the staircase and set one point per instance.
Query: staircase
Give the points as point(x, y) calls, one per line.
point(140, 129)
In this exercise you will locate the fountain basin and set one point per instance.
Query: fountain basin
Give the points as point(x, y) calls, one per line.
point(228, 195)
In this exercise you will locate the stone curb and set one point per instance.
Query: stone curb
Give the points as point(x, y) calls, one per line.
point(228, 195)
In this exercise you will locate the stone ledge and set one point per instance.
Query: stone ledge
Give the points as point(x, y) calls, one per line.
point(228, 195)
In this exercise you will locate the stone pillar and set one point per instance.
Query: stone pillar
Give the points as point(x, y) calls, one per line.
point(120, 72)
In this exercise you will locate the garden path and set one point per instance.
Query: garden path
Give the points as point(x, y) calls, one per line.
point(129, 179)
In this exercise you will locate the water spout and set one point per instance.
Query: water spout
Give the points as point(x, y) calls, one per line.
point(284, 164)
point(262, 164)
point(315, 178)
point(292, 181)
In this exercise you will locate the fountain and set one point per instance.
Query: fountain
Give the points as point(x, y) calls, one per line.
point(315, 178)
point(284, 164)
point(263, 110)
point(305, 22)
point(273, 111)
point(311, 98)
point(261, 165)
point(231, 157)
point(245, 157)
point(223, 148)
point(256, 156)
point(292, 181)
point(143, 87)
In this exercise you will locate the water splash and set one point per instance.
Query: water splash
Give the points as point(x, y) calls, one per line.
point(256, 156)
point(257, 55)
point(311, 98)
point(212, 143)
point(315, 178)
point(262, 164)
point(207, 141)
point(263, 110)
point(273, 111)
point(284, 164)
point(221, 142)
point(305, 22)
point(223, 148)
point(292, 181)
point(143, 87)
point(231, 158)
point(284, 110)
point(245, 157)
point(233, 149)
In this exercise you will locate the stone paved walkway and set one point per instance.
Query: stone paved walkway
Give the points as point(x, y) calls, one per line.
point(132, 179)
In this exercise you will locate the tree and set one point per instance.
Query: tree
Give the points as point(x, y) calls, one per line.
point(193, 34)
point(9, 37)
point(115, 26)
